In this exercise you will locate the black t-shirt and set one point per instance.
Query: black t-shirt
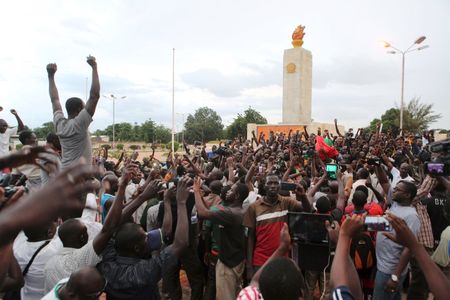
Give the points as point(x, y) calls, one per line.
point(192, 226)
point(435, 208)
point(232, 236)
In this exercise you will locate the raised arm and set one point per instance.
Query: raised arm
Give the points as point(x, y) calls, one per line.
point(437, 282)
point(181, 238)
point(113, 217)
point(337, 128)
point(94, 94)
point(54, 96)
point(166, 228)
point(343, 272)
point(20, 125)
point(202, 210)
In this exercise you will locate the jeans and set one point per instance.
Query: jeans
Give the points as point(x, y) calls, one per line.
point(380, 282)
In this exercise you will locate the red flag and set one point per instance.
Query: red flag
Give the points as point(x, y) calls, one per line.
point(322, 147)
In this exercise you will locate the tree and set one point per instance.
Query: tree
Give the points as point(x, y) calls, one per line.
point(416, 117)
point(239, 125)
point(204, 125)
point(46, 128)
point(163, 134)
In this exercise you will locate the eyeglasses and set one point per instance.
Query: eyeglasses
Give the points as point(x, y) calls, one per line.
point(396, 189)
point(95, 295)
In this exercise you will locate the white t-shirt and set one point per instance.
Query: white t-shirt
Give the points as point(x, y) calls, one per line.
point(4, 140)
point(396, 177)
point(52, 295)
point(67, 261)
point(34, 279)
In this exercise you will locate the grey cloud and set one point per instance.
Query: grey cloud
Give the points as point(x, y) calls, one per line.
point(354, 71)
point(231, 85)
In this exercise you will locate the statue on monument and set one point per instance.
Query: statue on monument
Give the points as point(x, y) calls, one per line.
point(297, 36)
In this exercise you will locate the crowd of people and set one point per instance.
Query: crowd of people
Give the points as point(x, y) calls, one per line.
point(74, 225)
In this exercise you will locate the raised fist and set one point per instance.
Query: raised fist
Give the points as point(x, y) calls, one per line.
point(91, 61)
point(51, 69)
point(13, 111)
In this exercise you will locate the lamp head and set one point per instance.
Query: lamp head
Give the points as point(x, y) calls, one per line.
point(420, 40)
point(385, 44)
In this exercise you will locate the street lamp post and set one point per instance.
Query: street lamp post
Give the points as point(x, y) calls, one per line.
point(403, 53)
point(114, 98)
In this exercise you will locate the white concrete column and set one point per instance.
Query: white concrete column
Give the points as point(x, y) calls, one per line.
point(297, 86)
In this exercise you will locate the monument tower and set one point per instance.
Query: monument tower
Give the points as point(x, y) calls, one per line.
point(297, 93)
point(297, 81)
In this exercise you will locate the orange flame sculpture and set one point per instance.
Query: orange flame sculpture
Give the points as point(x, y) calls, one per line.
point(297, 36)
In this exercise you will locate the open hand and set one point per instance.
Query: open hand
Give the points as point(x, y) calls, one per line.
point(183, 189)
point(352, 225)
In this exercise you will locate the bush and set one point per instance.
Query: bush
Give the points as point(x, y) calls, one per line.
point(176, 146)
point(120, 146)
point(19, 147)
point(134, 147)
point(144, 146)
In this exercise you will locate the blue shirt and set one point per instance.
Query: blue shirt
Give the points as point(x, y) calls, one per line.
point(105, 197)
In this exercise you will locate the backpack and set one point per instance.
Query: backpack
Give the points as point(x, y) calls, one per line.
point(362, 252)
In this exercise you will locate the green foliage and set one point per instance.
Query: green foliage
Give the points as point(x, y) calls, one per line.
point(46, 128)
point(204, 125)
point(239, 125)
point(19, 147)
point(176, 146)
point(147, 132)
point(120, 146)
point(134, 147)
point(417, 117)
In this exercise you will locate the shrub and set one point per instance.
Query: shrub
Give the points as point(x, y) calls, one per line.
point(176, 146)
point(134, 147)
point(19, 147)
point(120, 146)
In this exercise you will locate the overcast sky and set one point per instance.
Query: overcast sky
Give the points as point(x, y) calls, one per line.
point(228, 56)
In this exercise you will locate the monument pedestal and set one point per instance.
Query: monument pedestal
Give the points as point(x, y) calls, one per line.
point(297, 86)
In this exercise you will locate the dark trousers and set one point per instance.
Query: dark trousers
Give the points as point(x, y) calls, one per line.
point(418, 287)
point(210, 290)
point(194, 271)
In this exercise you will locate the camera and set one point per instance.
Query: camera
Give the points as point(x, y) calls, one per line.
point(10, 190)
point(373, 161)
point(224, 151)
point(440, 164)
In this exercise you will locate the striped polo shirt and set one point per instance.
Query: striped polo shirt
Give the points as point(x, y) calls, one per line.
point(267, 219)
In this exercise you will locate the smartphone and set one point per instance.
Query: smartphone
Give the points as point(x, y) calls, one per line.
point(378, 223)
point(435, 168)
point(332, 170)
point(287, 186)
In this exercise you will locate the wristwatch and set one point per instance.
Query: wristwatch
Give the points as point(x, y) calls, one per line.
point(394, 278)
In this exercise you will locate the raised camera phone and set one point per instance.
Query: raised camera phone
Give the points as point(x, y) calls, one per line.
point(332, 170)
point(378, 223)
point(287, 186)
